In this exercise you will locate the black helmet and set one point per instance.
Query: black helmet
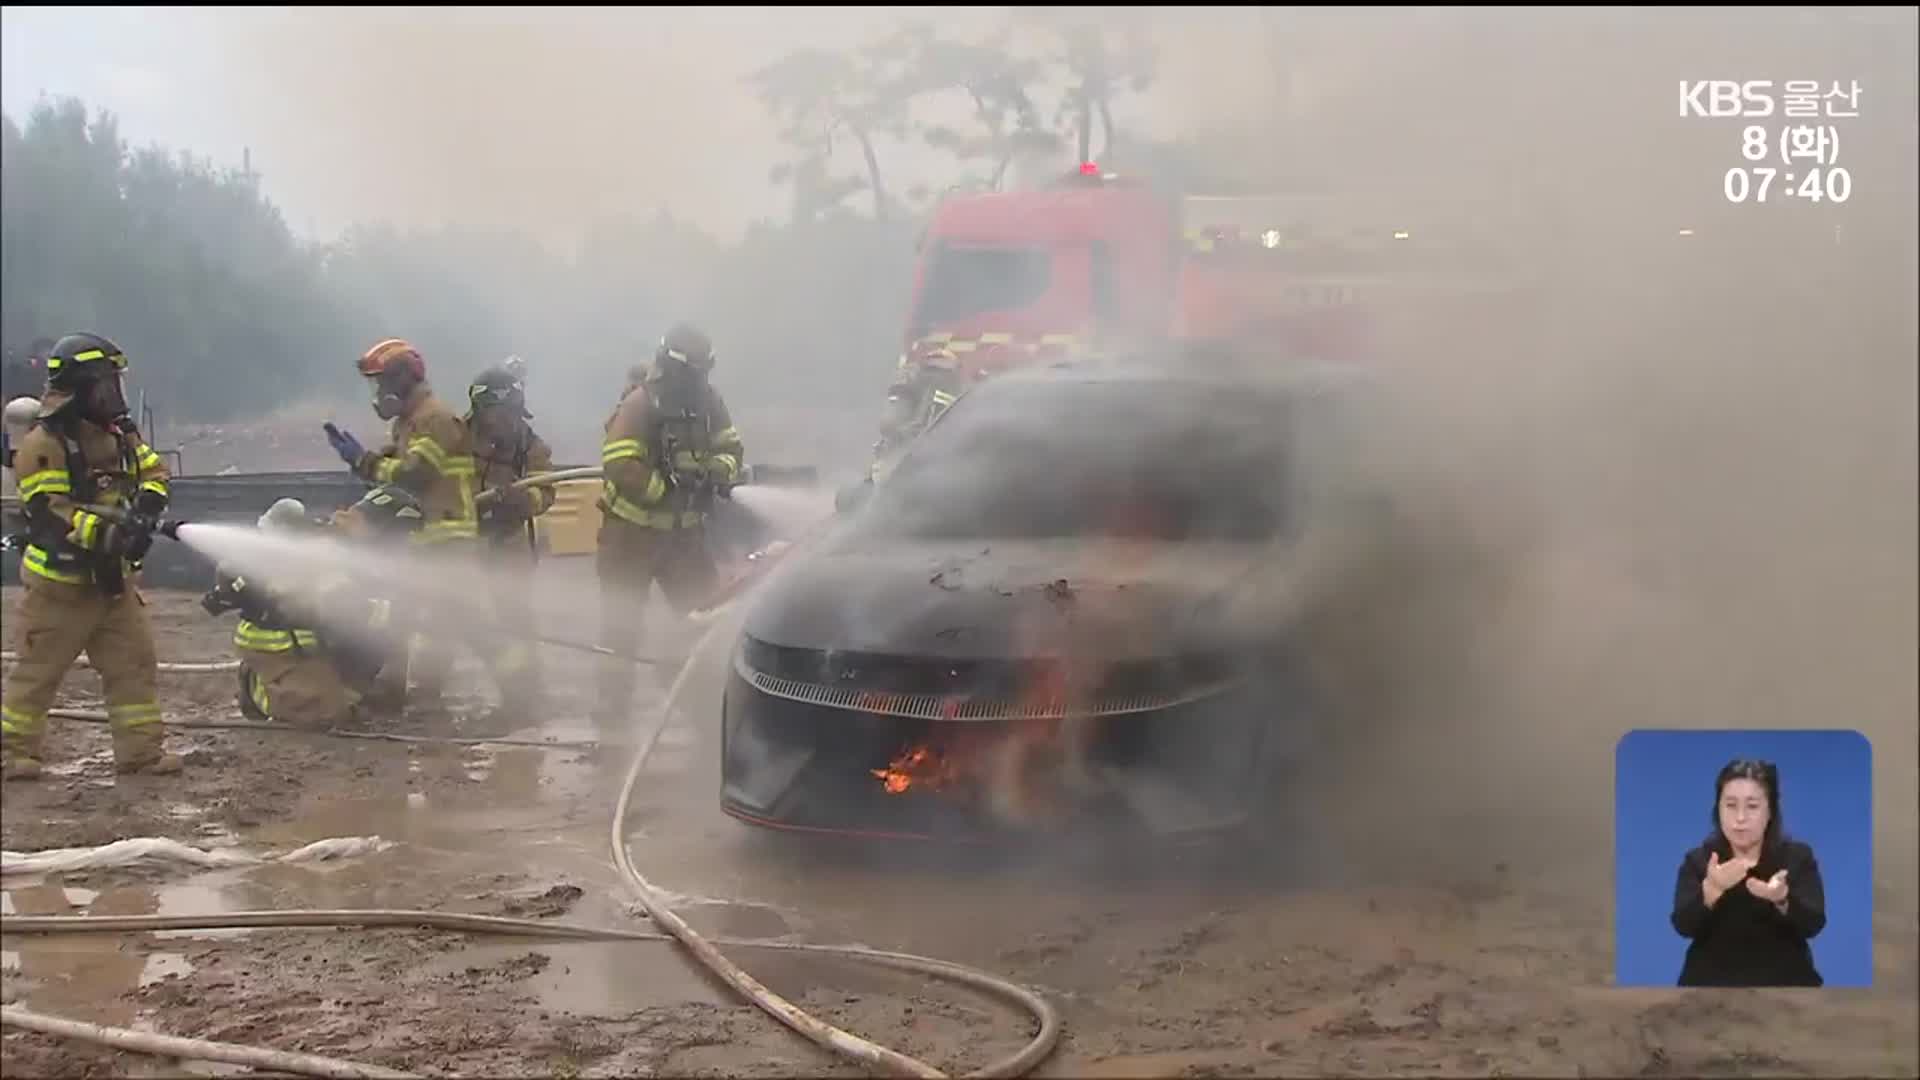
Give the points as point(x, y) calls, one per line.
point(390, 508)
point(78, 359)
point(498, 386)
point(83, 376)
point(689, 345)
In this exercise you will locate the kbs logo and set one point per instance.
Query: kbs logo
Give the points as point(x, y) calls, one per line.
point(1724, 97)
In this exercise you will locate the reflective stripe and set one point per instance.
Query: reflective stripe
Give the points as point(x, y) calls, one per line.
point(446, 530)
point(145, 714)
point(621, 450)
point(36, 561)
point(1032, 343)
point(256, 638)
point(15, 722)
point(730, 463)
point(90, 354)
point(147, 458)
point(626, 508)
point(941, 397)
point(652, 519)
point(86, 529)
point(45, 482)
point(384, 469)
point(436, 457)
point(158, 487)
point(257, 690)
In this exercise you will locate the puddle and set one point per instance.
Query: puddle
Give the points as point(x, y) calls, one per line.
point(722, 918)
point(589, 978)
point(162, 966)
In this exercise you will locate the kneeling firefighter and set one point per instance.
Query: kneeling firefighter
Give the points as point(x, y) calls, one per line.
point(670, 448)
point(93, 492)
point(309, 649)
point(507, 449)
point(430, 455)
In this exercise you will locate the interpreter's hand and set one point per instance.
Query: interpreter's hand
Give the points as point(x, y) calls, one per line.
point(1725, 875)
point(1773, 890)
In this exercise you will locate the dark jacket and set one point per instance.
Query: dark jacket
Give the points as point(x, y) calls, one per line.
point(1743, 940)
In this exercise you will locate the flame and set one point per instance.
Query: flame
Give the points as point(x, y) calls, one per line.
point(919, 766)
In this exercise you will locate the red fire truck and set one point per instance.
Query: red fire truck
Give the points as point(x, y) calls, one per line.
point(1101, 261)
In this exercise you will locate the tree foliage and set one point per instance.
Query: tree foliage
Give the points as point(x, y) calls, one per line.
point(1034, 84)
point(227, 316)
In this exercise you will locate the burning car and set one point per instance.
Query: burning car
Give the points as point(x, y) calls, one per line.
point(1076, 601)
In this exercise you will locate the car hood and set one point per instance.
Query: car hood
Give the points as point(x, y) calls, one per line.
point(995, 600)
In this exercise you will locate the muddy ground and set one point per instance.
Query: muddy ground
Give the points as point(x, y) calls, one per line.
point(1179, 963)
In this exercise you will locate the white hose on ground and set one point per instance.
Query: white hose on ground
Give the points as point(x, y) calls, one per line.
point(1015, 1065)
point(146, 1042)
point(145, 848)
point(823, 1034)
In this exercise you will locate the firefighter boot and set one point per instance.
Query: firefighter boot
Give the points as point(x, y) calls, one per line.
point(19, 764)
point(142, 750)
point(139, 740)
point(22, 743)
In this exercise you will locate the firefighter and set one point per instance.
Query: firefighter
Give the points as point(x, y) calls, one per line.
point(923, 388)
point(93, 491)
point(430, 455)
point(310, 652)
point(285, 673)
point(669, 449)
point(507, 449)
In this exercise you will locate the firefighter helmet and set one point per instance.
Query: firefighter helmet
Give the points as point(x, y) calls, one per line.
point(392, 356)
point(498, 386)
point(75, 364)
point(20, 414)
point(689, 345)
point(389, 508)
point(78, 359)
point(395, 368)
point(284, 514)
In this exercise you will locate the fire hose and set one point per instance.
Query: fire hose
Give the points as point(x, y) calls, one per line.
point(852, 1047)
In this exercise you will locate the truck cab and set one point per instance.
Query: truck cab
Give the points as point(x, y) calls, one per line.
point(1010, 276)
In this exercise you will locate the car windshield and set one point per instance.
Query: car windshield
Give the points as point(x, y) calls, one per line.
point(964, 282)
point(1148, 459)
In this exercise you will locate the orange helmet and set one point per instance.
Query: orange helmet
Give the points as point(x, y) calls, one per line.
point(392, 355)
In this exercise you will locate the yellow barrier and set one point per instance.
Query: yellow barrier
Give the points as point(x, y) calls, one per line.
point(571, 526)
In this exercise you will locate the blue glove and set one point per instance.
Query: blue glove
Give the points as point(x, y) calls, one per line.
point(345, 445)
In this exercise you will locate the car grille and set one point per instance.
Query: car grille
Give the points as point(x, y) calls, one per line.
point(972, 690)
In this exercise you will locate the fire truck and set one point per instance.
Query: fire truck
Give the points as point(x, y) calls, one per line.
point(1099, 263)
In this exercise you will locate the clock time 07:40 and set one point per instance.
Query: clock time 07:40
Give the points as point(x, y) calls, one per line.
point(1816, 185)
